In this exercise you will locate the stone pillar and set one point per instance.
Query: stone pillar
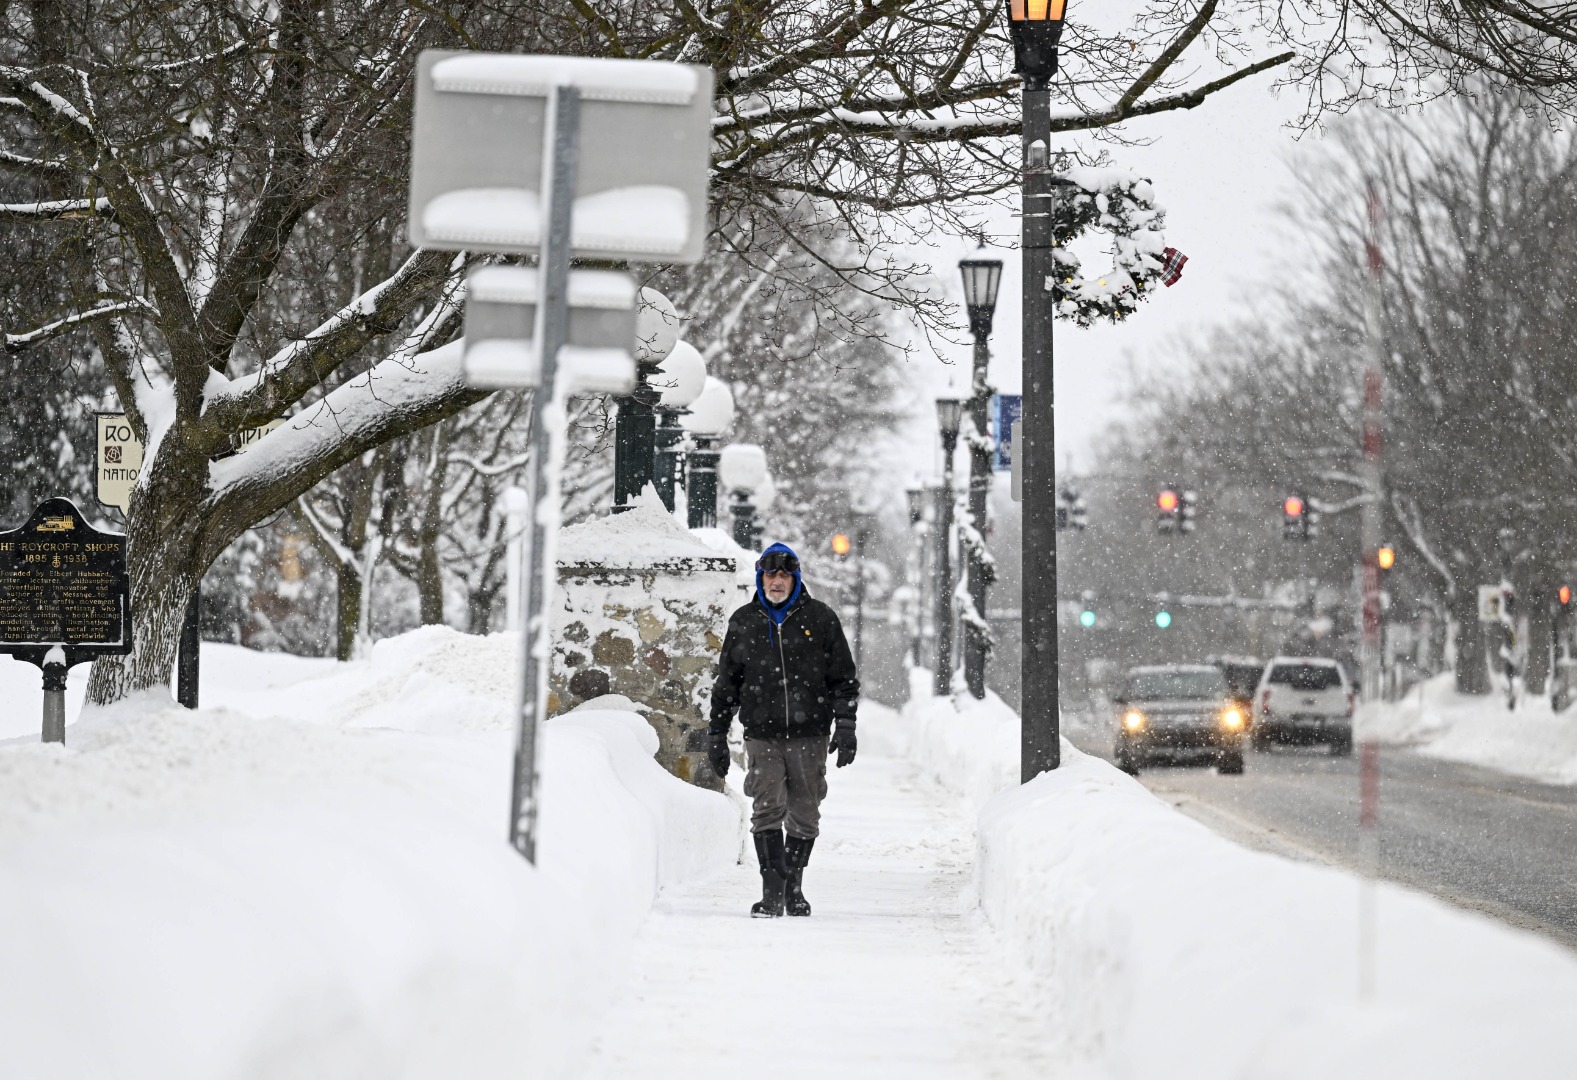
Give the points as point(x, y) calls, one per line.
point(650, 629)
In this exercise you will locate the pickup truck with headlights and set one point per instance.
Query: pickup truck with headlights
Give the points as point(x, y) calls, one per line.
point(1178, 712)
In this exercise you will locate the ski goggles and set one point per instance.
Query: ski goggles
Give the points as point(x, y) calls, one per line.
point(777, 560)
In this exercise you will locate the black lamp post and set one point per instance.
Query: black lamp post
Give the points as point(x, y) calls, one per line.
point(916, 497)
point(1036, 28)
point(709, 417)
point(743, 470)
point(635, 423)
point(949, 412)
point(982, 277)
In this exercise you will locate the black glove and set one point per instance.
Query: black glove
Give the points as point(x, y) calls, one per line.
point(717, 753)
point(843, 742)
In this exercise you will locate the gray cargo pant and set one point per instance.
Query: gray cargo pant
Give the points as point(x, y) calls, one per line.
point(786, 780)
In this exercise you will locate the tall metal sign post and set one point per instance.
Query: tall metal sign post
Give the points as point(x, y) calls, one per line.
point(1036, 27)
point(555, 157)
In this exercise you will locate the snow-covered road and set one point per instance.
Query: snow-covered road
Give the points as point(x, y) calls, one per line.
point(896, 973)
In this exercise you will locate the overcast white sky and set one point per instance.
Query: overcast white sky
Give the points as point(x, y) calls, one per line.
point(1220, 171)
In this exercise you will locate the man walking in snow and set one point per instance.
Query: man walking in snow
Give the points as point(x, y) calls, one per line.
point(787, 670)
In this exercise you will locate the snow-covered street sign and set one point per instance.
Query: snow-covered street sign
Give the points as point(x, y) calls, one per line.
point(500, 330)
point(560, 157)
point(1491, 604)
point(643, 161)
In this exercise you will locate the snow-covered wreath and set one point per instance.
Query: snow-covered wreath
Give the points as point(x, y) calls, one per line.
point(1122, 204)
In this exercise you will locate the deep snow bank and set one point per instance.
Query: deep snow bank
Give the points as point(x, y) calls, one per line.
point(1168, 951)
point(1433, 719)
point(308, 877)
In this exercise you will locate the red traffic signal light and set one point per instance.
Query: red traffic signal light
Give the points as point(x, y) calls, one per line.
point(1385, 557)
point(1293, 507)
point(1167, 500)
point(840, 543)
point(1565, 595)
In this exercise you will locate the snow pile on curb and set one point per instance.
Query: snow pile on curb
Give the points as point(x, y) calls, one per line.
point(1166, 950)
point(309, 877)
point(969, 747)
point(1435, 720)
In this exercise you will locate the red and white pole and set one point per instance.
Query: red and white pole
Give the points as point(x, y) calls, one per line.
point(1369, 658)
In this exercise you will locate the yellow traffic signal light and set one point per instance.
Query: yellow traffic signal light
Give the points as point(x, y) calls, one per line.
point(1385, 557)
point(840, 543)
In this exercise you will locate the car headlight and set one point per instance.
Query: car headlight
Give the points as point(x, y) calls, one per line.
point(1232, 718)
point(1133, 720)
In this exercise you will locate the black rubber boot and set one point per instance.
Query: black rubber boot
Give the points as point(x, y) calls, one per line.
point(797, 851)
point(774, 874)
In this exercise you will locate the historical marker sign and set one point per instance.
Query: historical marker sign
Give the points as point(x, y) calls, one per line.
point(62, 582)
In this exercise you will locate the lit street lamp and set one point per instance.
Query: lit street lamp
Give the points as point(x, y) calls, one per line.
point(1036, 28)
point(982, 278)
point(743, 469)
point(709, 418)
point(679, 380)
point(949, 412)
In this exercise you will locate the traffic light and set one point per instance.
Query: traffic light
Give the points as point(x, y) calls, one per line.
point(1187, 510)
point(841, 544)
point(1087, 612)
point(1168, 509)
point(1297, 519)
point(1163, 618)
point(1070, 510)
point(1565, 611)
point(1385, 557)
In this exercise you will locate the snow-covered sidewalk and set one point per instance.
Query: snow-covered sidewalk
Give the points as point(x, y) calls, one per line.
point(895, 974)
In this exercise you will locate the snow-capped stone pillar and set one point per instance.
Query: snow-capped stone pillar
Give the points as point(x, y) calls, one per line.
point(643, 611)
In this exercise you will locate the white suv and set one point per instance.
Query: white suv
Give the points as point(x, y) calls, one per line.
point(1304, 699)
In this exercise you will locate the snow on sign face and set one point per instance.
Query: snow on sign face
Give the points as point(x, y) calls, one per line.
point(596, 79)
point(642, 219)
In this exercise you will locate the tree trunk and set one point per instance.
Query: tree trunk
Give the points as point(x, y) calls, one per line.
point(479, 609)
point(162, 566)
point(1472, 668)
point(348, 615)
point(1537, 674)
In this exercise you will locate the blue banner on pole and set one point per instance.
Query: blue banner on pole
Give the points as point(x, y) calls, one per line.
point(1006, 410)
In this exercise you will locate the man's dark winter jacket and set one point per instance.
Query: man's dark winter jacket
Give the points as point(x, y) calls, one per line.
point(820, 685)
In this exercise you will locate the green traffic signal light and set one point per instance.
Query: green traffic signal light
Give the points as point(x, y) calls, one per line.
point(1163, 619)
point(1086, 618)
